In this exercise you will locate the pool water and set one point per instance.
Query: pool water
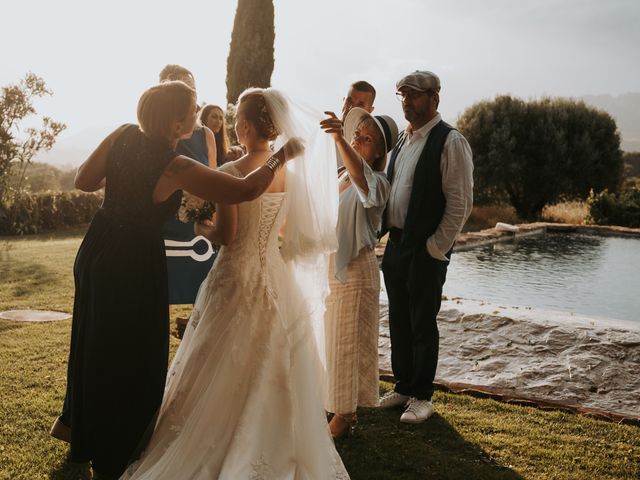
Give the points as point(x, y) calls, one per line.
point(568, 272)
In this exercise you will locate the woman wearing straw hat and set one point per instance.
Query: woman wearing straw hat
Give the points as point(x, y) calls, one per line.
point(352, 315)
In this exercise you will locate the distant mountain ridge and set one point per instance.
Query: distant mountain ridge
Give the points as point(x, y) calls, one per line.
point(71, 151)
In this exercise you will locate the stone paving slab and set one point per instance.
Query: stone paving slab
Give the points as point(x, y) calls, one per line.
point(539, 356)
point(34, 315)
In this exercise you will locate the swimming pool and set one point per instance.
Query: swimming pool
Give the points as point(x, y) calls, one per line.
point(569, 272)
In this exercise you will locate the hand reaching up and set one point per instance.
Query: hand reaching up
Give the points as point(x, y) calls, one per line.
point(332, 125)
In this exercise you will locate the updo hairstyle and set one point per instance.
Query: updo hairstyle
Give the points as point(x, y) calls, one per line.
point(256, 112)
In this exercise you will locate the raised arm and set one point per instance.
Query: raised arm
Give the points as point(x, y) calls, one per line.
point(211, 147)
point(186, 174)
point(91, 174)
point(351, 159)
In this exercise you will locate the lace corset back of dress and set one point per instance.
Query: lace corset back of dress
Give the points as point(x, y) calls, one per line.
point(259, 222)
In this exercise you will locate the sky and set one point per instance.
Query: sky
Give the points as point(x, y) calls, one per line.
point(98, 57)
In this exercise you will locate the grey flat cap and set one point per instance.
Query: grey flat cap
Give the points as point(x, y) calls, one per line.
point(420, 80)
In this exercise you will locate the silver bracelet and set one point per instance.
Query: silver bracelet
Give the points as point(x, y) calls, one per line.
point(273, 164)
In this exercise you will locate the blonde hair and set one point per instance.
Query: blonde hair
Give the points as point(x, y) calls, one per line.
point(257, 113)
point(162, 106)
point(177, 72)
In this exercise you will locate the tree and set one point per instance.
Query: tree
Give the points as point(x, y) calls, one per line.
point(533, 153)
point(230, 122)
point(40, 177)
point(631, 164)
point(16, 150)
point(251, 55)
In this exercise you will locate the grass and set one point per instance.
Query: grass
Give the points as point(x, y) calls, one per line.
point(565, 212)
point(37, 271)
point(468, 438)
point(486, 216)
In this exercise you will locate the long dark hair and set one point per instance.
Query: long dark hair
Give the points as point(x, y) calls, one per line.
point(222, 137)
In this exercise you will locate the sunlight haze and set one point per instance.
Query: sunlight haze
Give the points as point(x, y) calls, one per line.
point(98, 57)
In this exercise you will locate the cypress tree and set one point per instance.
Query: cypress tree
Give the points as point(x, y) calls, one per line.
point(251, 55)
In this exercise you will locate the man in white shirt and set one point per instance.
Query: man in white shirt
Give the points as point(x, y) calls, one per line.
point(431, 176)
point(360, 94)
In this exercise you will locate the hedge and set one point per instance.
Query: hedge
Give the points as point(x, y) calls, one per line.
point(46, 211)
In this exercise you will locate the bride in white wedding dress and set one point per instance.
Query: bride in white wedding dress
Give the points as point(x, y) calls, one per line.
point(243, 398)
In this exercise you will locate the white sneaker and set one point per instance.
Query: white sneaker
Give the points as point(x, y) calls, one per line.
point(393, 399)
point(417, 411)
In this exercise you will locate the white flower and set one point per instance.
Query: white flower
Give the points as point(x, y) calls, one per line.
point(193, 208)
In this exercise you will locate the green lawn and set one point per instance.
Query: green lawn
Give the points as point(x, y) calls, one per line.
point(468, 438)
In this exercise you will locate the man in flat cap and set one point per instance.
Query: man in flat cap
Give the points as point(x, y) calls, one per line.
point(431, 176)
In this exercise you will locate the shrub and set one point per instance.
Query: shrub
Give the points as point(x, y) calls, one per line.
point(40, 177)
point(22, 217)
point(530, 154)
point(631, 164)
point(486, 216)
point(606, 208)
point(565, 212)
point(33, 213)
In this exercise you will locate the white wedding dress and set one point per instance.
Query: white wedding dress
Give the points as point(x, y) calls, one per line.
point(243, 398)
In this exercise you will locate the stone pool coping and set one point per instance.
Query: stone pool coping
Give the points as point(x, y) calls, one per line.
point(469, 240)
point(500, 395)
point(542, 359)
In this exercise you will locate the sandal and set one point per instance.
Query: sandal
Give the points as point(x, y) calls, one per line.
point(342, 424)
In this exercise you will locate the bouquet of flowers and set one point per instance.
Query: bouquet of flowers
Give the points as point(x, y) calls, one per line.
point(195, 209)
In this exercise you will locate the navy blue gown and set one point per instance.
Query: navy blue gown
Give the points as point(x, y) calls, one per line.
point(185, 273)
point(120, 332)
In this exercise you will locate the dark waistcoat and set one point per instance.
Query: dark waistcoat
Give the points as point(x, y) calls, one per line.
point(427, 201)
